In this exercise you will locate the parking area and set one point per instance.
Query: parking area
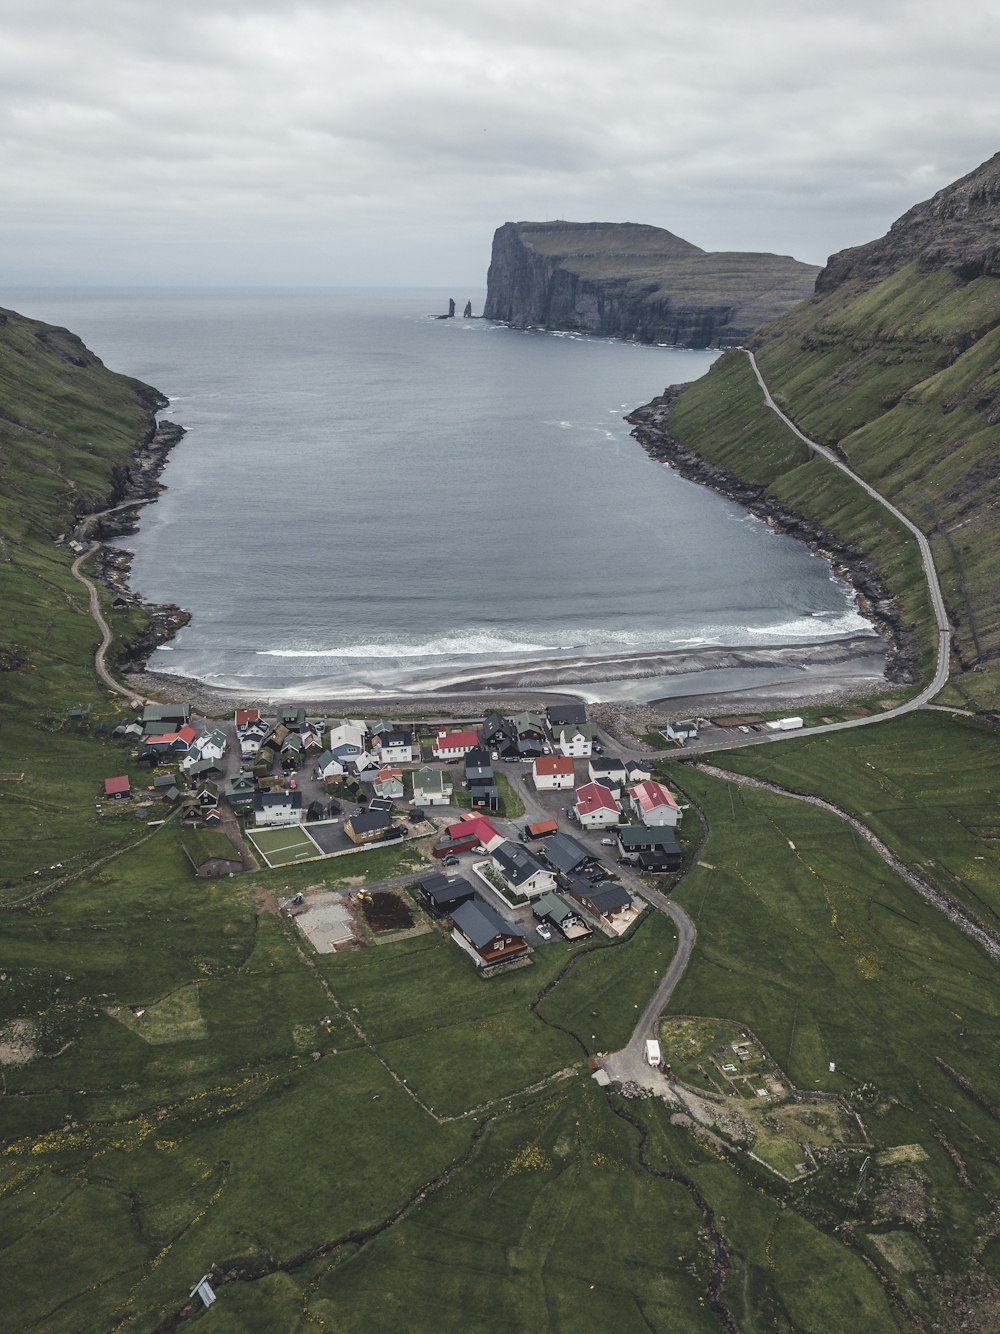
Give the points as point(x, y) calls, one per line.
point(328, 836)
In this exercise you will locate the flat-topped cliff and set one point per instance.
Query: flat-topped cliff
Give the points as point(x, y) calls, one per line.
point(628, 280)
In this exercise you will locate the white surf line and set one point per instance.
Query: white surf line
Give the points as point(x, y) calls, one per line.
point(940, 677)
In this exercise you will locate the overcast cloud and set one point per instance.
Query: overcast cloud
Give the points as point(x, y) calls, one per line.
point(247, 141)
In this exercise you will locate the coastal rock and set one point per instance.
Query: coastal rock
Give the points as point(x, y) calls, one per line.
point(627, 280)
point(467, 312)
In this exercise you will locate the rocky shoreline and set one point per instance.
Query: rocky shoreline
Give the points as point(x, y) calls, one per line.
point(874, 600)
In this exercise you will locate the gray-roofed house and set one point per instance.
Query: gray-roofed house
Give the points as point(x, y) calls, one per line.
point(607, 900)
point(485, 935)
point(566, 853)
point(521, 870)
point(432, 787)
point(561, 714)
point(441, 894)
point(654, 849)
point(560, 913)
point(271, 808)
point(368, 826)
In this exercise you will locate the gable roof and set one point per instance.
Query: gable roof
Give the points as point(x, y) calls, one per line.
point(553, 905)
point(638, 836)
point(517, 864)
point(479, 923)
point(455, 740)
point(550, 765)
point(607, 897)
point(652, 794)
point(368, 822)
point(593, 797)
point(429, 780)
point(441, 889)
point(565, 852)
point(112, 786)
point(477, 825)
point(565, 713)
point(247, 716)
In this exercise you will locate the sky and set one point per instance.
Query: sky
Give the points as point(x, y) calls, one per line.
point(256, 142)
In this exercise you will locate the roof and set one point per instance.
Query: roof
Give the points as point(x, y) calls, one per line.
point(593, 797)
point(263, 800)
point(609, 764)
point(456, 740)
point(638, 836)
point(367, 822)
point(652, 794)
point(524, 722)
point(565, 852)
point(115, 785)
point(566, 713)
point(395, 738)
point(606, 898)
point(517, 864)
point(553, 905)
point(570, 730)
point(550, 765)
point(476, 825)
point(429, 780)
point(479, 923)
point(441, 889)
point(245, 716)
point(388, 772)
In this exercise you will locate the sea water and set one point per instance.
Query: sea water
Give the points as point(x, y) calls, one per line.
point(370, 499)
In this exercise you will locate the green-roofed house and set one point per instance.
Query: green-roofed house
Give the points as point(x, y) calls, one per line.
point(558, 912)
point(432, 787)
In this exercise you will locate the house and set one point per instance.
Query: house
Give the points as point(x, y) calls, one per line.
point(565, 853)
point(207, 796)
point(291, 717)
point(521, 871)
point(312, 743)
point(682, 732)
point(654, 804)
point(607, 766)
point(210, 852)
point(453, 745)
point(431, 787)
point(348, 752)
point(275, 808)
point(477, 765)
point(484, 796)
point(165, 717)
point(291, 753)
point(595, 807)
point(314, 812)
point(365, 768)
point(440, 896)
point(576, 739)
point(197, 770)
point(389, 782)
point(244, 717)
point(347, 739)
point(559, 913)
point(553, 772)
point(368, 826)
point(211, 745)
point(117, 789)
point(606, 900)
point(485, 935)
point(164, 787)
point(171, 742)
point(498, 735)
point(213, 818)
point(328, 765)
point(637, 772)
point(563, 715)
point(472, 831)
point(529, 726)
point(652, 849)
point(238, 791)
point(393, 746)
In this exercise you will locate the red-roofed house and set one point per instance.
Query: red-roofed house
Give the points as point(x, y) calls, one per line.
point(483, 828)
point(389, 782)
point(177, 741)
point(595, 807)
point(552, 772)
point(453, 745)
point(244, 717)
point(117, 789)
point(654, 804)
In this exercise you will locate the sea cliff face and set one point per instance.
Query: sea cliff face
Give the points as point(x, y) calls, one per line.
point(625, 280)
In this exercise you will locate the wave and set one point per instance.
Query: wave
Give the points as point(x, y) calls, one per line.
point(472, 643)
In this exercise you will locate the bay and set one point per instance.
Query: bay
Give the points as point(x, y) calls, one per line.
point(371, 500)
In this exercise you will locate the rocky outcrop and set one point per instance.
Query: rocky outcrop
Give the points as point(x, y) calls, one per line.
point(626, 280)
point(958, 229)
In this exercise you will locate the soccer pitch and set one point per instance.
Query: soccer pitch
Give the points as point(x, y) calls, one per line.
point(278, 847)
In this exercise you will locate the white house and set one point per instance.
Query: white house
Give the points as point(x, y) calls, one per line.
point(453, 745)
point(521, 871)
point(608, 766)
point(212, 745)
point(654, 804)
point(683, 731)
point(431, 787)
point(389, 782)
point(553, 772)
point(595, 807)
point(576, 740)
point(329, 766)
point(271, 808)
point(393, 747)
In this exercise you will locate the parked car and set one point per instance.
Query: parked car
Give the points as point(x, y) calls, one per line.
point(544, 931)
point(607, 842)
point(450, 860)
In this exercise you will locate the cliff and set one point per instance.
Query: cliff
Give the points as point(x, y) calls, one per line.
point(895, 362)
point(625, 280)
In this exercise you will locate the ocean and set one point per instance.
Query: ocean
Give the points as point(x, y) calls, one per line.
point(370, 500)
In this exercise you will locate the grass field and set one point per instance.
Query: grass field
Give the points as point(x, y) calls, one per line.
point(278, 847)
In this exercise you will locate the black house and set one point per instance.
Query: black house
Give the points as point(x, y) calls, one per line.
point(440, 896)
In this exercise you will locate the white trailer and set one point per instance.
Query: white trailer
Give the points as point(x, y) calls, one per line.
point(653, 1052)
point(785, 724)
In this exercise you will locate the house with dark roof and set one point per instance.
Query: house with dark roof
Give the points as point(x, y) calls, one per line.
point(272, 808)
point(485, 935)
point(368, 826)
point(558, 912)
point(683, 731)
point(637, 772)
point(477, 765)
point(607, 766)
point(165, 717)
point(521, 871)
point(393, 746)
point(566, 854)
point(499, 735)
point(291, 717)
point(607, 900)
point(529, 726)
point(440, 895)
point(239, 790)
point(654, 849)
point(562, 715)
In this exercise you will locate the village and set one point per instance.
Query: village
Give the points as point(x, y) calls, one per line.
point(531, 833)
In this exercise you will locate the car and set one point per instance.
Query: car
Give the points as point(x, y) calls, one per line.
point(450, 860)
point(742, 728)
point(544, 931)
point(607, 842)
point(293, 783)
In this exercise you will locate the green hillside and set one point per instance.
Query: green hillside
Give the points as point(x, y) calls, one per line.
point(895, 362)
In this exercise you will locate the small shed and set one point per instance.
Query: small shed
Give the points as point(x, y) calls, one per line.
point(117, 789)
